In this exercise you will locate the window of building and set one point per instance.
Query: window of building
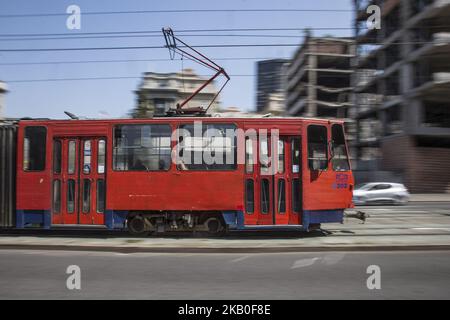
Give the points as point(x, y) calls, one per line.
point(340, 157)
point(317, 147)
point(163, 83)
point(142, 147)
point(160, 106)
point(215, 149)
point(34, 146)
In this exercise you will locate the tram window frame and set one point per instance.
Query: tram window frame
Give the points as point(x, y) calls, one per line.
point(87, 156)
point(204, 166)
point(281, 196)
point(296, 154)
point(313, 145)
point(265, 194)
point(339, 145)
point(101, 156)
point(86, 196)
point(296, 196)
point(57, 156)
point(125, 165)
point(72, 157)
point(100, 196)
point(34, 149)
point(250, 155)
point(281, 157)
point(57, 196)
point(265, 156)
point(71, 203)
point(249, 202)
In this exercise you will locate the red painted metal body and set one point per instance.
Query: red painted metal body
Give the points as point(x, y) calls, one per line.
point(175, 190)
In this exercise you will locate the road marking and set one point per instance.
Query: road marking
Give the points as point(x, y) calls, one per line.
point(304, 263)
point(240, 259)
point(333, 258)
point(441, 229)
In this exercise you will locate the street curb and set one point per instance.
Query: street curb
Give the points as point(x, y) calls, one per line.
point(225, 250)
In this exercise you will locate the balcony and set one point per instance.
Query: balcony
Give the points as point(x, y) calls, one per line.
point(417, 6)
point(366, 104)
point(435, 45)
point(433, 85)
point(369, 131)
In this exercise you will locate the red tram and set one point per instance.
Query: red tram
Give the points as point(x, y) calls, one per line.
point(118, 174)
point(185, 171)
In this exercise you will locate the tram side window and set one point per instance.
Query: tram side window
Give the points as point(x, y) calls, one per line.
point(142, 147)
point(34, 148)
point(340, 156)
point(249, 155)
point(265, 196)
point(215, 149)
point(295, 150)
point(317, 147)
point(57, 149)
point(249, 196)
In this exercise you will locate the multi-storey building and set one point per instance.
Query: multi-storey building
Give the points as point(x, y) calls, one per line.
point(319, 79)
point(402, 85)
point(158, 92)
point(271, 80)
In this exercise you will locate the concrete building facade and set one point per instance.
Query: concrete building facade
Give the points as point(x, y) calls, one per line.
point(319, 79)
point(401, 96)
point(271, 80)
point(158, 92)
point(275, 104)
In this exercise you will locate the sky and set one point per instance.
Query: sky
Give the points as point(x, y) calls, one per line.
point(115, 97)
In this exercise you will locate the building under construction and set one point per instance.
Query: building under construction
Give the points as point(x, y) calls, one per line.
point(319, 79)
point(402, 86)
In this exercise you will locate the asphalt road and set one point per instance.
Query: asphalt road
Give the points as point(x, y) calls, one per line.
point(383, 220)
point(337, 275)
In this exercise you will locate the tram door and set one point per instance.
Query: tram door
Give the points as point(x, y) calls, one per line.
point(274, 185)
point(78, 195)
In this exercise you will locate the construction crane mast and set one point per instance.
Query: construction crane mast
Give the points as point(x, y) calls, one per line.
point(185, 50)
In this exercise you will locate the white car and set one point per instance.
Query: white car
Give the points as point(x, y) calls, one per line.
point(380, 192)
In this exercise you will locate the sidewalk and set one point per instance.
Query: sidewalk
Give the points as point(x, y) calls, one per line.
point(358, 241)
point(432, 197)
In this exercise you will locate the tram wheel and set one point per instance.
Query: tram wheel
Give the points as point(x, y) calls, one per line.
point(136, 225)
point(215, 226)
